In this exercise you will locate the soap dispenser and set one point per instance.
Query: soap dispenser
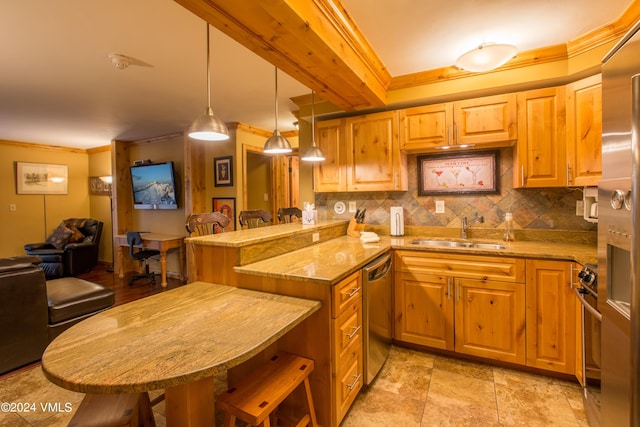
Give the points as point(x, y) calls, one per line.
point(508, 232)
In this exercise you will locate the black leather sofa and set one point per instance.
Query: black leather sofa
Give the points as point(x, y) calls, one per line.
point(34, 311)
point(71, 249)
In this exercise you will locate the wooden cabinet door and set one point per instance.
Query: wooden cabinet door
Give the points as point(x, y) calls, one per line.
point(486, 120)
point(551, 327)
point(490, 319)
point(374, 160)
point(540, 159)
point(331, 174)
point(584, 131)
point(424, 310)
point(426, 128)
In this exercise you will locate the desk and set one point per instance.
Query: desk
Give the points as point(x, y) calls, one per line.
point(161, 242)
point(175, 340)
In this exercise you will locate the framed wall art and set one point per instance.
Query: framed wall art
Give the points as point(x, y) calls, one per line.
point(41, 178)
point(97, 187)
point(459, 173)
point(227, 207)
point(223, 171)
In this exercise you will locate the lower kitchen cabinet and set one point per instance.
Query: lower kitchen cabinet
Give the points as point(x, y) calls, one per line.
point(551, 317)
point(346, 333)
point(471, 304)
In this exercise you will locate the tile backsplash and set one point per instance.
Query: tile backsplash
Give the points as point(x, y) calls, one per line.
point(533, 209)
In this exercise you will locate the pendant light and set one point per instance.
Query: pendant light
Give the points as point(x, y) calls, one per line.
point(486, 57)
point(208, 127)
point(277, 144)
point(313, 153)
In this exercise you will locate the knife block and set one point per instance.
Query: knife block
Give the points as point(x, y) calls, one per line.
point(354, 228)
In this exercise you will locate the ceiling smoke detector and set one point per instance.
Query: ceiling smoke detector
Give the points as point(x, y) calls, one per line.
point(121, 62)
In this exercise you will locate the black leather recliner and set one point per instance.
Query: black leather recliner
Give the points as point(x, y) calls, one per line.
point(33, 311)
point(71, 249)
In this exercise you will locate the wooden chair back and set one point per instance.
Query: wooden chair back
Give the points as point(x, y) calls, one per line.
point(205, 223)
point(254, 218)
point(287, 215)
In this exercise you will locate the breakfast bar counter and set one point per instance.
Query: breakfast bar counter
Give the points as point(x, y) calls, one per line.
point(175, 340)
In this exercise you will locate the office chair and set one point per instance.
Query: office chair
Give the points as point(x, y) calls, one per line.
point(134, 239)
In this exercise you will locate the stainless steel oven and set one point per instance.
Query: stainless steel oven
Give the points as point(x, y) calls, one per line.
point(591, 338)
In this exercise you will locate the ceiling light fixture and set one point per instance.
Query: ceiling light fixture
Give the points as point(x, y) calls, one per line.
point(208, 127)
point(313, 153)
point(121, 62)
point(486, 57)
point(277, 144)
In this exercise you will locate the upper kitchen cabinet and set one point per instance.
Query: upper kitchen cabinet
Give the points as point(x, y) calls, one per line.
point(362, 154)
point(374, 160)
point(540, 154)
point(331, 174)
point(488, 122)
point(584, 131)
point(426, 128)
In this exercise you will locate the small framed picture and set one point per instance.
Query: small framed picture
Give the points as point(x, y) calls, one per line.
point(97, 187)
point(227, 207)
point(223, 171)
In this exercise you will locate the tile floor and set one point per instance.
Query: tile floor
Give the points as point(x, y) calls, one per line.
point(413, 389)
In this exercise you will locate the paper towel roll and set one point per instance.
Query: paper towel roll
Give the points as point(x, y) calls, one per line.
point(397, 221)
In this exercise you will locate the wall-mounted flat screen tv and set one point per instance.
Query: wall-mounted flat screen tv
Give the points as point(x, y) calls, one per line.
point(154, 186)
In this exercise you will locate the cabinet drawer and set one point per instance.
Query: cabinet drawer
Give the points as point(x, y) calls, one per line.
point(348, 384)
point(345, 292)
point(346, 332)
point(464, 266)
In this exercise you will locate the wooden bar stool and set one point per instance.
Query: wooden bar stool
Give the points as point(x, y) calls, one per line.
point(258, 395)
point(114, 410)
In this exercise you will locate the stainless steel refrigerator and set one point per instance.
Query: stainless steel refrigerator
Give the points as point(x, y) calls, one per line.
point(618, 242)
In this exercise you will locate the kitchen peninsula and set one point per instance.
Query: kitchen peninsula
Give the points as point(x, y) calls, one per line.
point(322, 263)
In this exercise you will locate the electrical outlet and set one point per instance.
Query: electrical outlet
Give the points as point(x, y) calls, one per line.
point(266, 197)
point(352, 207)
point(12, 207)
point(579, 208)
point(439, 206)
point(315, 237)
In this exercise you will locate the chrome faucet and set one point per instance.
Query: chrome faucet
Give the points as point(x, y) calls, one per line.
point(466, 224)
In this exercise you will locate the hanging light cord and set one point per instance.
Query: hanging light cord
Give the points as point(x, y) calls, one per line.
point(313, 120)
point(276, 98)
point(208, 75)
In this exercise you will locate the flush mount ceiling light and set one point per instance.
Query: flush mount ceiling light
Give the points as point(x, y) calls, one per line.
point(313, 153)
point(277, 144)
point(121, 62)
point(486, 57)
point(208, 127)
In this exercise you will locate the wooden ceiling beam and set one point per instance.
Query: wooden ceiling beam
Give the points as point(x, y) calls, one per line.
point(314, 41)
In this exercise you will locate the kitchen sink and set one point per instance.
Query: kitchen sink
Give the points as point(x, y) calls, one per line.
point(456, 244)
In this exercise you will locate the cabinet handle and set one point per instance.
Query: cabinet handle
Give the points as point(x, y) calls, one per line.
point(353, 292)
point(571, 276)
point(522, 175)
point(455, 127)
point(355, 331)
point(449, 135)
point(449, 288)
point(568, 174)
point(457, 290)
point(355, 381)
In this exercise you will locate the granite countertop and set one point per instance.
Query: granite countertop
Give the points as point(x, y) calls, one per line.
point(170, 339)
point(331, 261)
point(324, 263)
point(252, 236)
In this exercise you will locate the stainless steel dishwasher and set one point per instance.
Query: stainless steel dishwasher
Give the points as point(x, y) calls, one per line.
point(376, 316)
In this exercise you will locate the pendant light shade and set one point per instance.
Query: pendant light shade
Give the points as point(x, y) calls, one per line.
point(313, 153)
point(486, 57)
point(277, 144)
point(208, 127)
